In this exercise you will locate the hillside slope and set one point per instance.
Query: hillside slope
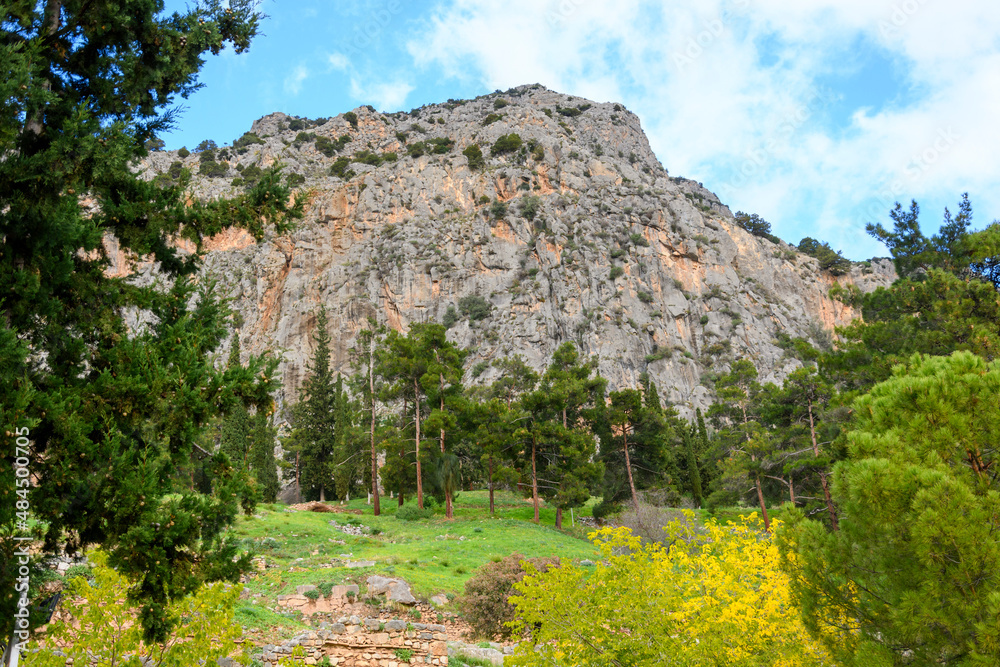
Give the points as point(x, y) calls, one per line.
point(598, 244)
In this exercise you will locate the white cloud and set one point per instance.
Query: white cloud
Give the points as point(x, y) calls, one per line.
point(338, 61)
point(295, 78)
point(730, 92)
point(389, 96)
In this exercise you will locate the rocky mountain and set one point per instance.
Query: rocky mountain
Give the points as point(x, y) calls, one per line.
point(566, 228)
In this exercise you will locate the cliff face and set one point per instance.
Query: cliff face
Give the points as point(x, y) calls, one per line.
point(598, 245)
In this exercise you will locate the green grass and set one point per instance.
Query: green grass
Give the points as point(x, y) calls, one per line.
point(433, 555)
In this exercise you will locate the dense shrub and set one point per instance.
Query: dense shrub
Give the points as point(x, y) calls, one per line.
point(474, 307)
point(295, 179)
point(829, 260)
point(183, 152)
point(508, 143)
point(297, 124)
point(439, 145)
point(329, 147)
point(206, 145)
point(339, 168)
point(645, 297)
point(303, 137)
point(351, 118)
point(248, 139)
point(413, 513)
point(416, 149)
point(500, 103)
point(475, 156)
point(616, 272)
point(498, 209)
point(213, 169)
point(485, 603)
point(491, 118)
point(530, 207)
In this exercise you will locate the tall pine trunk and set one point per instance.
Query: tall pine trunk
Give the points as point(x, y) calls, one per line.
point(491, 484)
point(822, 476)
point(416, 405)
point(371, 393)
point(534, 479)
point(628, 467)
point(448, 513)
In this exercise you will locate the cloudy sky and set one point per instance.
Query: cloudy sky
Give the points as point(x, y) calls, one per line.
point(816, 114)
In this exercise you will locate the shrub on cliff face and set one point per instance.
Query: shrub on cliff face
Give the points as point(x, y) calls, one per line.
point(508, 143)
point(475, 156)
point(485, 601)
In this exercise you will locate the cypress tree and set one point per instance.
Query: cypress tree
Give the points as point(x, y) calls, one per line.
point(113, 413)
point(265, 469)
point(314, 419)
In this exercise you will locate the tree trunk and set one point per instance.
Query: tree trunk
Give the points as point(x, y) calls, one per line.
point(628, 467)
point(763, 507)
point(448, 512)
point(322, 494)
point(371, 392)
point(491, 484)
point(534, 479)
point(822, 475)
point(416, 405)
point(559, 518)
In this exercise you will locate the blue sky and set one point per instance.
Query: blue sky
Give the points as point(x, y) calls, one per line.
point(816, 115)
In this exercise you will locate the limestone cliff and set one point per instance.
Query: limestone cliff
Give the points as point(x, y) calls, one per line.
point(598, 244)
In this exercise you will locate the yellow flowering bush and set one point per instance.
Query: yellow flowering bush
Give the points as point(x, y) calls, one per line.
point(101, 627)
point(714, 596)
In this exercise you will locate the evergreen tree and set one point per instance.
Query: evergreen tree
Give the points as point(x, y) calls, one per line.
point(314, 418)
point(265, 469)
point(114, 412)
point(746, 442)
point(634, 440)
point(443, 386)
point(694, 474)
point(912, 576)
point(368, 384)
point(234, 438)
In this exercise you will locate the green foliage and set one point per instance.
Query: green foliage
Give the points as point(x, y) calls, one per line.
point(206, 146)
point(115, 410)
point(474, 307)
point(411, 512)
point(616, 272)
point(508, 143)
point(340, 168)
point(450, 317)
point(213, 169)
point(352, 119)
point(645, 297)
point(246, 140)
point(329, 147)
point(830, 261)
point(295, 180)
point(500, 103)
point(911, 576)
point(754, 224)
point(403, 654)
point(569, 112)
point(491, 118)
point(183, 152)
point(530, 206)
point(498, 210)
point(475, 157)
point(485, 604)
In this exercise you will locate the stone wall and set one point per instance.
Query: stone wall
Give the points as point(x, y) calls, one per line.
point(368, 642)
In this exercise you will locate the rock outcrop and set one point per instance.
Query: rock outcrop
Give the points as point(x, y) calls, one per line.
point(578, 234)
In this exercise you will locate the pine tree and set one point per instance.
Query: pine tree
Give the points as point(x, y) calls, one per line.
point(747, 442)
point(368, 384)
point(114, 412)
point(912, 576)
point(694, 474)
